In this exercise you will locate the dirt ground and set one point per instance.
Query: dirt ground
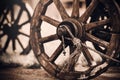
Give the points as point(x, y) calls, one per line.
point(24, 74)
point(21, 73)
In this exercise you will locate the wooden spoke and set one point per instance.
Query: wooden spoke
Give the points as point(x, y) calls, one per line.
point(96, 24)
point(75, 11)
point(56, 53)
point(61, 9)
point(24, 34)
point(87, 55)
point(27, 50)
point(20, 43)
point(25, 23)
point(89, 10)
point(12, 14)
point(4, 17)
point(97, 40)
point(13, 44)
point(28, 15)
point(7, 20)
point(18, 16)
point(6, 12)
point(50, 20)
point(48, 38)
point(6, 44)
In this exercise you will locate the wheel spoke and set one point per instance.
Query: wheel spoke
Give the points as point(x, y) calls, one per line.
point(97, 40)
point(24, 34)
point(13, 44)
point(18, 16)
point(89, 11)
point(27, 50)
point(12, 14)
point(87, 55)
point(56, 53)
point(5, 13)
point(4, 17)
point(20, 43)
point(61, 9)
point(25, 23)
point(6, 45)
point(48, 38)
point(75, 11)
point(7, 20)
point(96, 24)
point(50, 20)
point(28, 13)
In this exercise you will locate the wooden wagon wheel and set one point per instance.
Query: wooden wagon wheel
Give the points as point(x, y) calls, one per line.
point(74, 28)
point(14, 20)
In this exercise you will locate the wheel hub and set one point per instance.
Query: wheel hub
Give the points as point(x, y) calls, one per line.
point(75, 27)
point(11, 31)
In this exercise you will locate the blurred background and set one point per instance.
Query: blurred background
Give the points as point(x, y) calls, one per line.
point(15, 16)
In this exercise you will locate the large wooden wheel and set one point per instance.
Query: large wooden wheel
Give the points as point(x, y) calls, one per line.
point(73, 32)
point(14, 27)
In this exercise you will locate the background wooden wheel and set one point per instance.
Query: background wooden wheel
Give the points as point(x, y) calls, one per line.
point(14, 27)
point(79, 27)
